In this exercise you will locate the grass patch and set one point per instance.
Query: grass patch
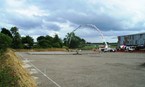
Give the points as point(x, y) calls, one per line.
point(40, 50)
point(12, 74)
point(8, 77)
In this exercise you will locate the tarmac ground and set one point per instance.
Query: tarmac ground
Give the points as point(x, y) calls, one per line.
point(59, 69)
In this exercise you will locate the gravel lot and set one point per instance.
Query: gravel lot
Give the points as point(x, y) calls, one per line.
point(87, 70)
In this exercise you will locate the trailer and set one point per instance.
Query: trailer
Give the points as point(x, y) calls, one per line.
point(136, 40)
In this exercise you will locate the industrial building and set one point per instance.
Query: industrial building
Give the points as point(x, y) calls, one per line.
point(137, 40)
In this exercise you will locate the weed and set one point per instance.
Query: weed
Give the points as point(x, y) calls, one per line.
point(8, 77)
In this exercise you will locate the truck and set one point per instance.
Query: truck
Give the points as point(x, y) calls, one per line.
point(127, 48)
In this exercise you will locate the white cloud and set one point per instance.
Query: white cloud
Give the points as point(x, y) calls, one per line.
point(15, 3)
point(41, 17)
point(130, 10)
point(31, 11)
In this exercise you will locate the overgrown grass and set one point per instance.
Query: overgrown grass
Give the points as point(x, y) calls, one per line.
point(89, 47)
point(7, 74)
point(12, 74)
point(8, 77)
point(40, 50)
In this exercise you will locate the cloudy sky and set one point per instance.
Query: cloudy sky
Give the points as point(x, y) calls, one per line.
point(50, 17)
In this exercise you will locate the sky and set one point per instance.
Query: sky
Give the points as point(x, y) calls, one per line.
point(49, 17)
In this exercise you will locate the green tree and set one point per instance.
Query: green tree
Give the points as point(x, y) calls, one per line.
point(49, 42)
point(67, 40)
point(45, 41)
point(40, 38)
point(14, 31)
point(49, 39)
point(57, 42)
point(44, 44)
point(73, 41)
point(6, 32)
point(5, 42)
point(27, 42)
point(17, 43)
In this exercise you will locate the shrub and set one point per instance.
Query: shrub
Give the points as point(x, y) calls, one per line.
point(5, 42)
point(8, 78)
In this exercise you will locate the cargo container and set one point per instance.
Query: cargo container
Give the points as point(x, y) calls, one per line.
point(137, 40)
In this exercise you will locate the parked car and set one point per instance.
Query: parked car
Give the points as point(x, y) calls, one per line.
point(129, 48)
point(109, 50)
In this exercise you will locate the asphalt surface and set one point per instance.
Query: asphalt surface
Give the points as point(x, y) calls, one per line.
point(86, 70)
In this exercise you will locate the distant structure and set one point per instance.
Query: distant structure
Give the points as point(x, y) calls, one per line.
point(132, 40)
point(91, 26)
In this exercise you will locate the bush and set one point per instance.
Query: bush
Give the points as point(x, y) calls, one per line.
point(5, 42)
point(8, 78)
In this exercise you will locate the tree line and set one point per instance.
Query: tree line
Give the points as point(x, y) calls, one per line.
point(12, 38)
